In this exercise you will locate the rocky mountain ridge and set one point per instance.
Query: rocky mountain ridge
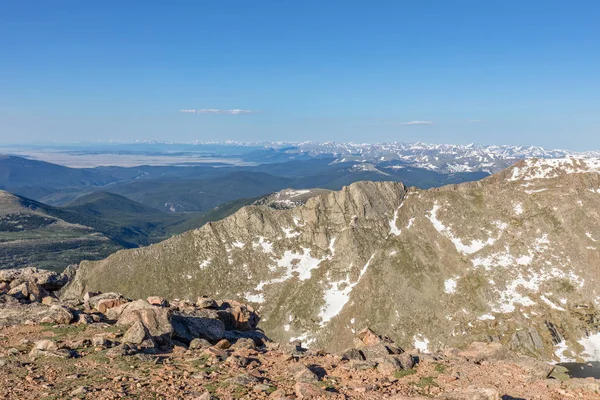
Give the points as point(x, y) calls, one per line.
point(511, 259)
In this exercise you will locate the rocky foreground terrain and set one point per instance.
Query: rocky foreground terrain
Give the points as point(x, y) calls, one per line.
point(105, 346)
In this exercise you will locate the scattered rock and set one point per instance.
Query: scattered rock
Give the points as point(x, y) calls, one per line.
point(301, 373)
point(353, 354)
point(305, 390)
point(244, 343)
point(237, 360)
point(388, 365)
point(242, 380)
point(375, 351)
point(480, 351)
point(223, 344)
point(199, 344)
point(157, 301)
point(472, 393)
point(205, 302)
point(79, 391)
point(357, 365)
point(125, 349)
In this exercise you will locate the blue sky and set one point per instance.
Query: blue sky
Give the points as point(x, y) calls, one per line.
point(492, 72)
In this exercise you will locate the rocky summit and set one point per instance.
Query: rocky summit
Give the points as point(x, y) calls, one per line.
point(512, 259)
point(107, 346)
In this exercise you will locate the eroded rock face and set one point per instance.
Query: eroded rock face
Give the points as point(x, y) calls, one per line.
point(513, 258)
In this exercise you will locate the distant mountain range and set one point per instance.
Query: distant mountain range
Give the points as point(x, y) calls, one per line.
point(200, 188)
point(442, 158)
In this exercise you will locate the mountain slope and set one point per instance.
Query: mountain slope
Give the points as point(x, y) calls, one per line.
point(32, 233)
point(512, 258)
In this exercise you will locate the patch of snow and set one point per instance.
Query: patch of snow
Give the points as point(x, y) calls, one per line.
point(450, 285)
point(338, 295)
point(298, 222)
point(239, 245)
point(254, 298)
point(267, 247)
point(421, 343)
point(518, 209)
point(304, 339)
point(205, 263)
point(290, 233)
point(591, 345)
point(511, 296)
point(553, 167)
point(536, 191)
point(393, 228)
point(551, 304)
point(486, 317)
point(589, 235)
point(524, 260)
point(332, 246)
point(471, 248)
point(294, 263)
point(559, 350)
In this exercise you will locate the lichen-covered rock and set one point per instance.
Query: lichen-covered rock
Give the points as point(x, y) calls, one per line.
point(136, 333)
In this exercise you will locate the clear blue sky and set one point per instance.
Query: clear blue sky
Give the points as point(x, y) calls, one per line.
point(527, 71)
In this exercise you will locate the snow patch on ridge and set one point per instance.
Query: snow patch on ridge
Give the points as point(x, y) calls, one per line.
point(471, 248)
point(450, 285)
point(511, 294)
point(421, 343)
point(293, 263)
point(267, 247)
point(290, 233)
point(591, 345)
point(553, 167)
point(393, 228)
point(338, 295)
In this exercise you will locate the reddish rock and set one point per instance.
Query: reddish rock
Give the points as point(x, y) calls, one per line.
point(309, 391)
point(157, 301)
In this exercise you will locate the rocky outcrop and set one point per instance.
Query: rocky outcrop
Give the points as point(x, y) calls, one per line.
point(513, 259)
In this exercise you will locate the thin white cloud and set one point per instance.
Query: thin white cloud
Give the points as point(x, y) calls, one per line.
point(474, 120)
point(235, 111)
point(417, 123)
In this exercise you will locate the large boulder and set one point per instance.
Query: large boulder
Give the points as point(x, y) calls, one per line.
point(202, 324)
point(156, 320)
